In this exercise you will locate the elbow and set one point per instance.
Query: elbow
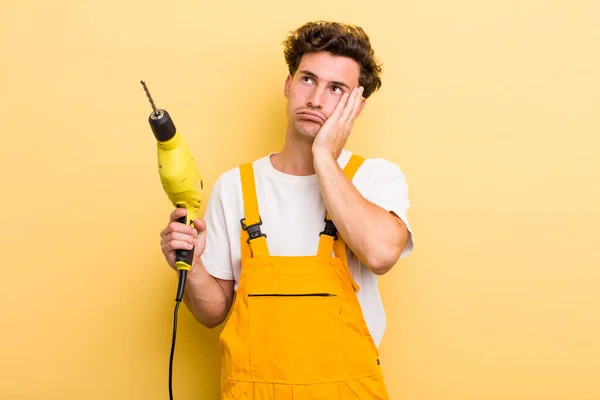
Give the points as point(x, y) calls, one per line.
point(385, 259)
point(383, 263)
point(212, 324)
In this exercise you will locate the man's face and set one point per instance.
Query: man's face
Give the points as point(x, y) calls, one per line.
point(316, 88)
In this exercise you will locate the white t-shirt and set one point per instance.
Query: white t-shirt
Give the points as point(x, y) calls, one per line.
point(292, 211)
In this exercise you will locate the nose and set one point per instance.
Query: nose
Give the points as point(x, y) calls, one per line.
point(315, 98)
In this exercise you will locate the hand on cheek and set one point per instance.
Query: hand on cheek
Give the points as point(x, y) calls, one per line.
point(334, 133)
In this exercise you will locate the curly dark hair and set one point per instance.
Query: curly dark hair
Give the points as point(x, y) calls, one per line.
point(338, 39)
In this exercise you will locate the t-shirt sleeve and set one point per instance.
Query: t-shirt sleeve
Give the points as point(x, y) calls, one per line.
point(387, 187)
point(217, 254)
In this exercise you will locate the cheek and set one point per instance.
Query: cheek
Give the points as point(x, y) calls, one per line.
point(298, 94)
point(292, 99)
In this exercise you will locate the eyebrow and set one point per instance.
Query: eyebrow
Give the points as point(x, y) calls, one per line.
point(338, 83)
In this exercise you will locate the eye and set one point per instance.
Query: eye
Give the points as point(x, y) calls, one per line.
point(307, 79)
point(338, 89)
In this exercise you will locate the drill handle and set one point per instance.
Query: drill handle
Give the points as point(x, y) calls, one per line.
point(183, 257)
point(183, 263)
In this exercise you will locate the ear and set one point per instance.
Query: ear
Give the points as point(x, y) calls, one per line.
point(286, 90)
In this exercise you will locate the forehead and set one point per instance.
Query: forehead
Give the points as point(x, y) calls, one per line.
point(328, 67)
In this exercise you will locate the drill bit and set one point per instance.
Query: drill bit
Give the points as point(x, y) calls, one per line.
point(150, 98)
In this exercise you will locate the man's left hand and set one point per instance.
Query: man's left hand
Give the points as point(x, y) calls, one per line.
point(334, 133)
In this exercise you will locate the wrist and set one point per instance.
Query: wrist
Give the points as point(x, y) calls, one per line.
point(194, 274)
point(322, 156)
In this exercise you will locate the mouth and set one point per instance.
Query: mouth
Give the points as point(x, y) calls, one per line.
point(311, 117)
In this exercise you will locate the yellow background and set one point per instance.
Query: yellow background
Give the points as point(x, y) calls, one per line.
point(490, 108)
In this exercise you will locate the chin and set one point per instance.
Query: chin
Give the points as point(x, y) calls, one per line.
point(307, 132)
point(306, 135)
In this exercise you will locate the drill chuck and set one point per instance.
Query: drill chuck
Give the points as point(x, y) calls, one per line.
point(162, 125)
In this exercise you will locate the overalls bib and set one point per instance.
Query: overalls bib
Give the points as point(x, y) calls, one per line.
point(296, 329)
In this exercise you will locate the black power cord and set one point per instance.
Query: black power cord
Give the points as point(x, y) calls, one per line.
point(180, 287)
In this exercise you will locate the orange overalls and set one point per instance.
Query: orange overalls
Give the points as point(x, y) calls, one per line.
point(296, 329)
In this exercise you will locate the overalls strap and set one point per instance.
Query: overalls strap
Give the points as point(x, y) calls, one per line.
point(329, 235)
point(251, 233)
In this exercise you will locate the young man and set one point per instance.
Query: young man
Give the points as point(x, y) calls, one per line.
point(301, 236)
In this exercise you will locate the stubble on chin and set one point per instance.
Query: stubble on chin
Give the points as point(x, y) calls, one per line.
point(306, 130)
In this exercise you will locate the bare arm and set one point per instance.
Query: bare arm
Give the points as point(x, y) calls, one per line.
point(376, 236)
point(208, 298)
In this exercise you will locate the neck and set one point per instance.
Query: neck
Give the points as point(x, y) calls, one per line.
point(295, 158)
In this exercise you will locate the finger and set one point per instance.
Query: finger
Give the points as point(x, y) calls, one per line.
point(356, 106)
point(173, 217)
point(176, 227)
point(200, 244)
point(359, 99)
point(183, 228)
point(339, 108)
point(200, 240)
point(181, 237)
point(351, 110)
point(174, 245)
point(177, 213)
point(200, 224)
point(348, 110)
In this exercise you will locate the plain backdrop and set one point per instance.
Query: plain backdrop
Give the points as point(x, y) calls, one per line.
point(491, 108)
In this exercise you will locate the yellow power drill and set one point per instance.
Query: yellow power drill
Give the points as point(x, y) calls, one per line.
point(182, 182)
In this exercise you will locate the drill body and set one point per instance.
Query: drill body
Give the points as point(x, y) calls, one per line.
point(179, 175)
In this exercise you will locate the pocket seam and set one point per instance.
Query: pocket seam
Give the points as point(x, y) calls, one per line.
point(238, 390)
point(359, 390)
point(353, 391)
